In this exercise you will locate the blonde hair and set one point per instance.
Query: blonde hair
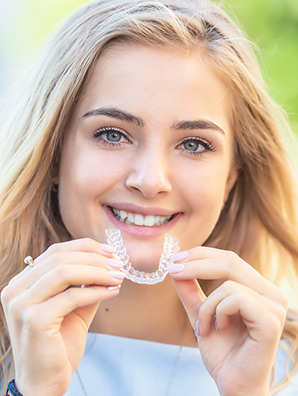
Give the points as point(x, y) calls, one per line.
point(259, 221)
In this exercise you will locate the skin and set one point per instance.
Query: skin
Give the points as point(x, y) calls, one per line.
point(155, 169)
point(148, 169)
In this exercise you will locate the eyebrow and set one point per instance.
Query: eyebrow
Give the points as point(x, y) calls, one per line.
point(197, 124)
point(116, 113)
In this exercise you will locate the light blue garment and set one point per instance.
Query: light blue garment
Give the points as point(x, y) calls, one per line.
point(117, 366)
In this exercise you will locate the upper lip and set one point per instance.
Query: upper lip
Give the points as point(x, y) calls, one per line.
point(146, 211)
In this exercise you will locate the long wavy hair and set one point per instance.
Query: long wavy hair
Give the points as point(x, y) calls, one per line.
point(259, 221)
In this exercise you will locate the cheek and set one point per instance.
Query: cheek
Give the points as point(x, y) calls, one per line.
point(88, 171)
point(85, 176)
point(204, 184)
point(205, 201)
point(203, 196)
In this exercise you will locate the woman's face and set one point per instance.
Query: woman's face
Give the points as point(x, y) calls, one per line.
point(149, 150)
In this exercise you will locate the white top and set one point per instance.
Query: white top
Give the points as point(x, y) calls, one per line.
point(118, 366)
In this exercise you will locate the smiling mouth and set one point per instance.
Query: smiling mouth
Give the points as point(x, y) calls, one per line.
point(139, 219)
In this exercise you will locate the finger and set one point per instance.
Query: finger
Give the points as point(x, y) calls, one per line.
point(61, 277)
point(222, 304)
point(191, 296)
point(77, 298)
point(87, 312)
point(84, 301)
point(77, 245)
point(261, 324)
point(216, 264)
point(31, 275)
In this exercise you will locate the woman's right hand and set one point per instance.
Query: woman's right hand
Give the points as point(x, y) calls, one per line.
point(48, 312)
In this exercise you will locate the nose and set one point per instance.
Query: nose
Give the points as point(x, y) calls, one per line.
point(149, 174)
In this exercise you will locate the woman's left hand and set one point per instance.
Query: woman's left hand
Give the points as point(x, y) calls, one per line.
point(240, 322)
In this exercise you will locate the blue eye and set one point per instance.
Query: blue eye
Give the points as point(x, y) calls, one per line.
point(111, 136)
point(191, 145)
point(196, 146)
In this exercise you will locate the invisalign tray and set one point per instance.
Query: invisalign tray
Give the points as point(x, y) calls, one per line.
point(170, 247)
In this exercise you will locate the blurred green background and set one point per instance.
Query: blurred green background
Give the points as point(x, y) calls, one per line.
point(271, 24)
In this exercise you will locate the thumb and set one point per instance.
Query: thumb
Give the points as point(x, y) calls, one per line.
point(191, 296)
point(87, 313)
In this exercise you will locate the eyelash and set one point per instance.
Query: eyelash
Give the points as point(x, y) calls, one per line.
point(208, 146)
point(199, 140)
point(100, 132)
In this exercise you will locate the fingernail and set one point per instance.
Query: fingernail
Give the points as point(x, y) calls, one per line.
point(114, 263)
point(176, 268)
point(117, 274)
point(216, 325)
point(111, 288)
point(179, 256)
point(107, 248)
point(197, 329)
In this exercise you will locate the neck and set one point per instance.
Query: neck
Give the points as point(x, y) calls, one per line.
point(148, 312)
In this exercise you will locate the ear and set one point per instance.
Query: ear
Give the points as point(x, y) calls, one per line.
point(55, 180)
point(232, 178)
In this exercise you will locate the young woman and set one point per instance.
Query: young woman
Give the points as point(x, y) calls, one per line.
point(150, 118)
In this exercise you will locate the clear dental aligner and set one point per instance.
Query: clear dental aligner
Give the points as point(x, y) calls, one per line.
point(170, 247)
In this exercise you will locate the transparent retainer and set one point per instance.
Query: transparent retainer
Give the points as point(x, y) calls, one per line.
point(170, 247)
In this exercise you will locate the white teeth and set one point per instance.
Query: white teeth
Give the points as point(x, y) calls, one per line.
point(140, 220)
point(123, 214)
point(156, 219)
point(130, 218)
point(149, 221)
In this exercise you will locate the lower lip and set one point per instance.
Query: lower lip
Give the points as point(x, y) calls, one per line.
point(140, 231)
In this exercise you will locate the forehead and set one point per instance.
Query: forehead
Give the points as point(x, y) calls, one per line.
point(155, 80)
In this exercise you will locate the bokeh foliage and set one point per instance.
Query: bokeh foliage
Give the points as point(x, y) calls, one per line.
point(273, 26)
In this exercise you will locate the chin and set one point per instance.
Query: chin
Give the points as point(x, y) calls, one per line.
point(144, 257)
